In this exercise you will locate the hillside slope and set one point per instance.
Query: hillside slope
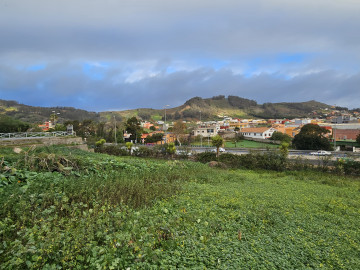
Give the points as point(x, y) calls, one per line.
point(220, 106)
point(209, 108)
point(34, 114)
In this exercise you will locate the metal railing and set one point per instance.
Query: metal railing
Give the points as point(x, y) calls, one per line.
point(26, 135)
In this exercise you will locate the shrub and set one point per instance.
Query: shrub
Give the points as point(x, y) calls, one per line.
point(350, 167)
point(144, 151)
point(231, 160)
point(205, 157)
point(170, 148)
point(114, 150)
point(100, 143)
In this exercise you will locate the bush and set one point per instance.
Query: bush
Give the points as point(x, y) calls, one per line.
point(231, 160)
point(144, 151)
point(349, 167)
point(205, 157)
point(114, 150)
point(100, 142)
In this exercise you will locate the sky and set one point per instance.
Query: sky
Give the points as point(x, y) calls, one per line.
point(104, 55)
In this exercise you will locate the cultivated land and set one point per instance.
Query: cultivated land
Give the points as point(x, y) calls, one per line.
point(67, 209)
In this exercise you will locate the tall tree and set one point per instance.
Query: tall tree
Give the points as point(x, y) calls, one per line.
point(179, 129)
point(312, 137)
point(217, 141)
point(132, 126)
point(8, 124)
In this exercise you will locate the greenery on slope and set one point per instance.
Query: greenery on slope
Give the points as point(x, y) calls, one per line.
point(67, 209)
point(34, 114)
point(232, 106)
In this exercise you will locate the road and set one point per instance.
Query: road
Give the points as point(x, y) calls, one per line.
point(292, 153)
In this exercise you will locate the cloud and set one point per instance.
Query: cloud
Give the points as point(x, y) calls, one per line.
point(100, 54)
point(79, 89)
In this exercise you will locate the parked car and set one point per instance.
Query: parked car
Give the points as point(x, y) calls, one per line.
point(221, 150)
point(320, 153)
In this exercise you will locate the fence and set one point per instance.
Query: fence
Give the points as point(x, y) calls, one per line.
point(26, 135)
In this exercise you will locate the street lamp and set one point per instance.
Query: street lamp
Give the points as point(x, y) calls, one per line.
point(200, 134)
point(165, 123)
point(115, 129)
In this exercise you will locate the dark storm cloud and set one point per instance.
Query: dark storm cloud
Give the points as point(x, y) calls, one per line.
point(164, 52)
point(74, 88)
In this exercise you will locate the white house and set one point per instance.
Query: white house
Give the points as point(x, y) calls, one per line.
point(258, 133)
point(207, 130)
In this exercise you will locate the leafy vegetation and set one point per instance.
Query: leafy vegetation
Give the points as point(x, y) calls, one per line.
point(311, 137)
point(217, 141)
point(107, 212)
point(34, 114)
point(282, 137)
point(8, 125)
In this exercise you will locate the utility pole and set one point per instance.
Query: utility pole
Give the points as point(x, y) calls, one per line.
point(334, 137)
point(115, 129)
point(200, 134)
point(165, 123)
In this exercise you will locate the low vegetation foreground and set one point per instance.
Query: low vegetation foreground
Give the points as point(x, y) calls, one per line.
point(67, 209)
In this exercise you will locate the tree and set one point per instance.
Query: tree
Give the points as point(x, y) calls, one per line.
point(217, 141)
point(154, 138)
point(358, 138)
point(132, 126)
point(129, 145)
point(312, 137)
point(170, 148)
point(152, 128)
point(8, 125)
point(284, 149)
point(279, 136)
point(238, 138)
point(179, 129)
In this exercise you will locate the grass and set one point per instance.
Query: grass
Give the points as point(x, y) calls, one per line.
point(114, 213)
point(251, 144)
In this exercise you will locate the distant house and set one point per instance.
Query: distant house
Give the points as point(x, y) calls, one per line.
point(126, 136)
point(289, 130)
point(207, 130)
point(258, 133)
point(46, 126)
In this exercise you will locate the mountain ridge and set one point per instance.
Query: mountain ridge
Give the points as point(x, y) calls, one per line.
point(207, 108)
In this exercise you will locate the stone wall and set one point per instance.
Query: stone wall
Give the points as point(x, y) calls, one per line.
point(42, 141)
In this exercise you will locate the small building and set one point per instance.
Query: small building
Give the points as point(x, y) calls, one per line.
point(346, 134)
point(70, 130)
point(46, 126)
point(207, 130)
point(258, 132)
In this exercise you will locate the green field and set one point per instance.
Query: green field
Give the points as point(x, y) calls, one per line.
point(67, 209)
point(251, 144)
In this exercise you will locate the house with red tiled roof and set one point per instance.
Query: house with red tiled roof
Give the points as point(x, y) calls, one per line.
point(258, 132)
point(46, 126)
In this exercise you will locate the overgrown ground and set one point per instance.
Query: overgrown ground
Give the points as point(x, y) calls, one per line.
point(96, 211)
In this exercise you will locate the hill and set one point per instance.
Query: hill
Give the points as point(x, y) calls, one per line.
point(211, 108)
point(234, 106)
point(34, 114)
